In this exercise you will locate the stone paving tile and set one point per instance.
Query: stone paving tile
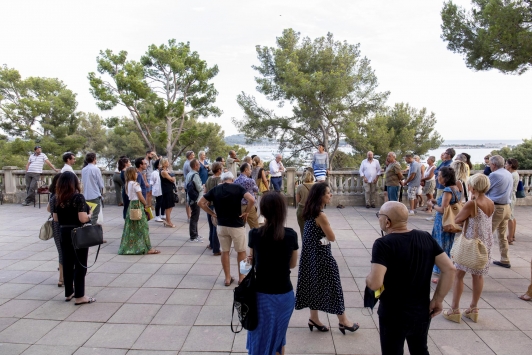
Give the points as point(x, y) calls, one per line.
point(70, 334)
point(164, 281)
point(115, 294)
point(41, 292)
point(53, 310)
point(188, 297)
point(100, 351)
point(162, 337)
point(27, 331)
point(94, 312)
point(506, 342)
point(459, 342)
point(213, 338)
point(9, 290)
point(18, 308)
point(177, 315)
point(151, 295)
point(302, 341)
point(521, 318)
point(135, 314)
point(130, 280)
point(50, 350)
point(116, 336)
point(12, 349)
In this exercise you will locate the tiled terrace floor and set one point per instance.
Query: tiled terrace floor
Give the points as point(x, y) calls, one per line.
point(176, 303)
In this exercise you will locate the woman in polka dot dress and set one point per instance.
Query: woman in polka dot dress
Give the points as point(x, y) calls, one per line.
point(318, 283)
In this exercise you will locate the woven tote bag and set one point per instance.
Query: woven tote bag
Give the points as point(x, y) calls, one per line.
point(471, 253)
point(449, 214)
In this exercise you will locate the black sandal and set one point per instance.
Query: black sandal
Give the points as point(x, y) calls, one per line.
point(321, 328)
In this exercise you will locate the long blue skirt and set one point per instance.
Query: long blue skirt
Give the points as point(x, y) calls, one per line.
point(274, 312)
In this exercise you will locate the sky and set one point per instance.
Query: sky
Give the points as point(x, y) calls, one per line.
point(61, 39)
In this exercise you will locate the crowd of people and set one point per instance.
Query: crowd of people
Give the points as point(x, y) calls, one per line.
point(230, 201)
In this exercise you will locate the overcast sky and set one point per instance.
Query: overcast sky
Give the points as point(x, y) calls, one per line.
point(61, 39)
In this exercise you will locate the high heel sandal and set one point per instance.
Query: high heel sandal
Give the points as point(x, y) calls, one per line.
point(321, 328)
point(170, 225)
point(353, 328)
point(471, 314)
point(453, 317)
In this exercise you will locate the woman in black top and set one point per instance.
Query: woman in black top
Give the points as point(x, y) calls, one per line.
point(56, 229)
point(274, 249)
point(70, 210)
point(123, 164)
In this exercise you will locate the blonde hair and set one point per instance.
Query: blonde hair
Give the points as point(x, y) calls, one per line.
point(479, 182)
point(163, 161)
point(308, 177)
point(256, 161)
point(461, 170)
point(130, 174)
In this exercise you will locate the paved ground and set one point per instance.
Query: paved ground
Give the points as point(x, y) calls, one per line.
point(176, 302)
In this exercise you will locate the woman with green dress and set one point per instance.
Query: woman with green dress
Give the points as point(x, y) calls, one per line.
point(136, 234)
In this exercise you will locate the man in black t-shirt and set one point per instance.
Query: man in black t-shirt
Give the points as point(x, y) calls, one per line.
point(402, 262)
point(227, 198)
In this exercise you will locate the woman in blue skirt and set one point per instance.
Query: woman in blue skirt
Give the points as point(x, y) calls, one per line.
point(274, 248)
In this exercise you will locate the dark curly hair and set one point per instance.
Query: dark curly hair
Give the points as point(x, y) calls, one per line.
point(313, 205)
point(448, 176)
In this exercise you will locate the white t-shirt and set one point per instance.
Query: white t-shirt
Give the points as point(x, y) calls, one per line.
point(275, 168)
point(370, 170)
point(67, 168)
point(132, 188)
point(155, 183)
point(36, 163)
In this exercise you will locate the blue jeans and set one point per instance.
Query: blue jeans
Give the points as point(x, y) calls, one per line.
point(393, 193)
point(214, 243)
point(277, 182)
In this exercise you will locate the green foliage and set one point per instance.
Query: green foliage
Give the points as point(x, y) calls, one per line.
point(401, 129)
point(35, 107)
point(166, 88)
point(328, 83)
point(522, 152)
point(495, 34)
point(345, 161)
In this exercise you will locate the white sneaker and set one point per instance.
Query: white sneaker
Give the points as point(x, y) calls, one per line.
point(411, 213)
point(430, 219)
point(158, 219)
point(163, 216)
point(195, 240)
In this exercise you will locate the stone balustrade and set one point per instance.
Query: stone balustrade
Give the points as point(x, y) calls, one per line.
point(346, 186)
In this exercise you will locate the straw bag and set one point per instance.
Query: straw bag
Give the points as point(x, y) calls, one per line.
point(449, 215)
point(471, 253)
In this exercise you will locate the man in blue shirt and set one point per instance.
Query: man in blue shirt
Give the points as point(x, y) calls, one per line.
point(92, 180)
point(141, 165)
point(245, 180)
point(500, 192)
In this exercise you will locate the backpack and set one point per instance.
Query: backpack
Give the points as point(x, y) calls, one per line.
point(192, 193)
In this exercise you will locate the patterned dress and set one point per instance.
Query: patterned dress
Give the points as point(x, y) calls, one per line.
point(481, 223)
point(136, 234)
point(444, 239)
point(318, 281)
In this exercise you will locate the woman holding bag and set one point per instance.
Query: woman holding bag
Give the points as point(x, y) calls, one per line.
point(136, 234)
point(451, 195)
point(478, 212)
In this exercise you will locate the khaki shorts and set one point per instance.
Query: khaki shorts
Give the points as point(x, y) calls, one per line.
point(412, 192)
point(226, 235)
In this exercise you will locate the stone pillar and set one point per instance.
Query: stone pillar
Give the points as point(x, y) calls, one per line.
point(9, 180)
point(290, 181)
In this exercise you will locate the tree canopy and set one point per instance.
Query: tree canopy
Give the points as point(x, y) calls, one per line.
point(168, 86)
point(328, 83)
point(401, 129)
point(494, 34)
point(522, 152)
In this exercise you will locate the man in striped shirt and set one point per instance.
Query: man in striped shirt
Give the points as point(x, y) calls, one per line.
point(33, 173)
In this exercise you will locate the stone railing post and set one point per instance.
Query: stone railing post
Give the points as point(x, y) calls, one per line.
point(290, 181)
point(9, 180)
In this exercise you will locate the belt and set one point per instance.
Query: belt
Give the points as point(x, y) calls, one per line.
point(500, 204)
point(276, 177)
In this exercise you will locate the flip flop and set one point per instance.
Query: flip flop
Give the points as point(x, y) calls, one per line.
point(68, 299)
point(91, 300)
point(525, 297)
point(230, 282)
point(154, 251)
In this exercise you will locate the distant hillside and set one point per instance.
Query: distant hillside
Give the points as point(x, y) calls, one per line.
point(241, 139)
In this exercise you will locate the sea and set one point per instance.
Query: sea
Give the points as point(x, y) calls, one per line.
point(477, 148)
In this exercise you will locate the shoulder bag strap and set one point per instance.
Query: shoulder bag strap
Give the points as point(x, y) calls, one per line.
point(465, 191)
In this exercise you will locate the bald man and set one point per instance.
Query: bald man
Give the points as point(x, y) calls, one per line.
point(402, 261)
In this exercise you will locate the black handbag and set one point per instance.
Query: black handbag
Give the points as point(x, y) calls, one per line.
point(520, 193)
point(369, 299)
point(245, 302)
point(87, 236)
